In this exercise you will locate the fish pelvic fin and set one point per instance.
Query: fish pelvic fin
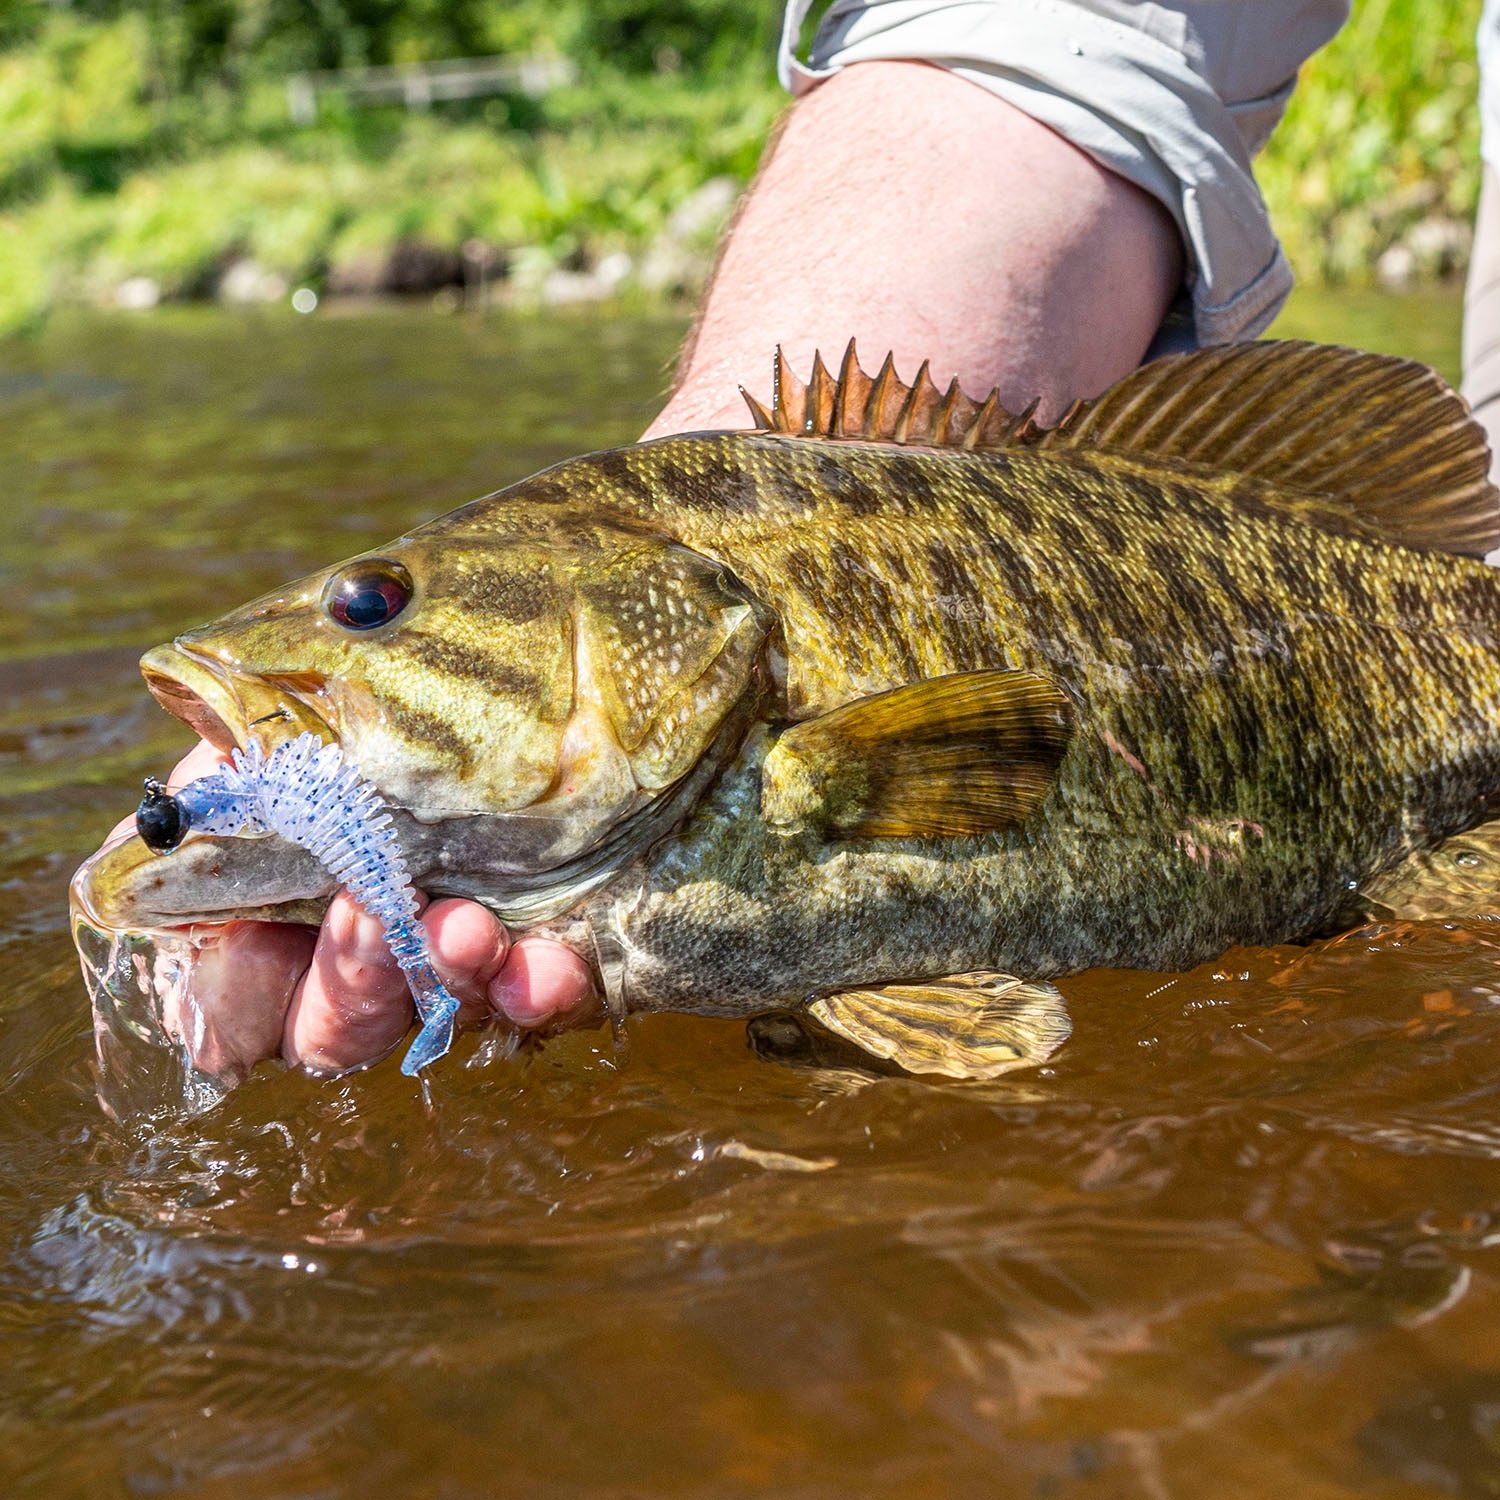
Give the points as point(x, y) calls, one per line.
point(1458, 879)
point(954, 756)
point(964, 1026)
point(1385, 443)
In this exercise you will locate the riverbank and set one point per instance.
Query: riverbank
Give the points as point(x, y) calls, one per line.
point(600, 188)
point(118, 191)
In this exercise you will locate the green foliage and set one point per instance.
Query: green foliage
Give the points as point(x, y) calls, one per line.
point(704, 36)
point(153, 138)
point(75, 102)
point(198, 42)
point(1382, 133)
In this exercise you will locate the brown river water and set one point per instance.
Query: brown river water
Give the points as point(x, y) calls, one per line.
point(1241, 1238)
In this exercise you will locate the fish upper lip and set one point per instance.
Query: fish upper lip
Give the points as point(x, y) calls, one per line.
point(226, 707)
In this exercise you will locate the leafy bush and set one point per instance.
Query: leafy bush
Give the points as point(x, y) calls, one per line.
point(73, 102)
point(1382, 132)
point(154, 140)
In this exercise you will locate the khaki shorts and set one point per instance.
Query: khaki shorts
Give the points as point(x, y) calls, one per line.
point(1176, 98)
point(1482, 297)
point(1489, 83)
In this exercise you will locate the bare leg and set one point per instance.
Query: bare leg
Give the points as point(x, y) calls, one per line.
point(914, 211)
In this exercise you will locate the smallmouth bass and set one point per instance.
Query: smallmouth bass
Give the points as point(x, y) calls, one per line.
point(901, 706)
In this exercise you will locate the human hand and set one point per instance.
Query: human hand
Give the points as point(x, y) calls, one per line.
point(334, 1000)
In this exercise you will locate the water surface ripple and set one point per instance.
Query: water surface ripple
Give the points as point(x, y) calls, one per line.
point(1242, 1238)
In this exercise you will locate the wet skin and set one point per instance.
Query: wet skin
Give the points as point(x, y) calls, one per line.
point(335, 999)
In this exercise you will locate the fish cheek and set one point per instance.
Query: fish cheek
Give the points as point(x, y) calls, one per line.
point(449, 719)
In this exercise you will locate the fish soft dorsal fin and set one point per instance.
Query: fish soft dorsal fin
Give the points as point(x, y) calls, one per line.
point(1386, 439)
point(1383, 441)
point(950, 757)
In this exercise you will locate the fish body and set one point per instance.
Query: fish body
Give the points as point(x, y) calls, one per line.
point(809, 714)
point(1266, 715)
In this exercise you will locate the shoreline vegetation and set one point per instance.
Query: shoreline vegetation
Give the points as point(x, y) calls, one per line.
point(148, 153)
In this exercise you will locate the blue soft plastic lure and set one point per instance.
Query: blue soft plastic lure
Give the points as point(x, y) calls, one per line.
point(304, 792)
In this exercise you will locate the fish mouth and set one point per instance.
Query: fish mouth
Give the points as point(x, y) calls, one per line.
point(229, 708)
point(121, 888)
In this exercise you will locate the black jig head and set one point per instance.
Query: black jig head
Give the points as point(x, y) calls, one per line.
point(159, 819)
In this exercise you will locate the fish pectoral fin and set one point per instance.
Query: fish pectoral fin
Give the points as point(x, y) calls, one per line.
point(954, 756)
point(966, 1026)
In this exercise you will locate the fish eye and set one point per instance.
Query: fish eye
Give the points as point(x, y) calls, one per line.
point(368, 593)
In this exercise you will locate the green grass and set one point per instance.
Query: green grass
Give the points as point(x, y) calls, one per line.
point(1382, 132)
point(164, 149)
point(102, 178)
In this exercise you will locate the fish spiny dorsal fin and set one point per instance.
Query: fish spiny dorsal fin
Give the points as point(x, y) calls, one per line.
point(886, 397)
point(818, 403)
point(764, 422)
point(914, 425)
point(1385, 441)
point(788, 397)
point(989, 426)
point(1384, 444)
point(1025, 428)
point(954, 416)
point(852, 398)
point(885, 409)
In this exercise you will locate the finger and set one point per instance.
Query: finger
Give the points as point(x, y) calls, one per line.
point(231, 1013)
point(202, 760)
point(544, 983)
point(469, 946)
point(353, 1005)
point(122, 829)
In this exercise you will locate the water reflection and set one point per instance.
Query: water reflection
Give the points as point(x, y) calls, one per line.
point(1239, 1237)
point(1443, 1436)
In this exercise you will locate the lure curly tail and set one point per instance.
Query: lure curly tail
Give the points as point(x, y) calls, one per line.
point(304, 792)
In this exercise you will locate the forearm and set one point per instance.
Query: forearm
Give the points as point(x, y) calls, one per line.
point(906, 208)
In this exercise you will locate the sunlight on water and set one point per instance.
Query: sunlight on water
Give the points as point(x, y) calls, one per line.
point(1240, 1237)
